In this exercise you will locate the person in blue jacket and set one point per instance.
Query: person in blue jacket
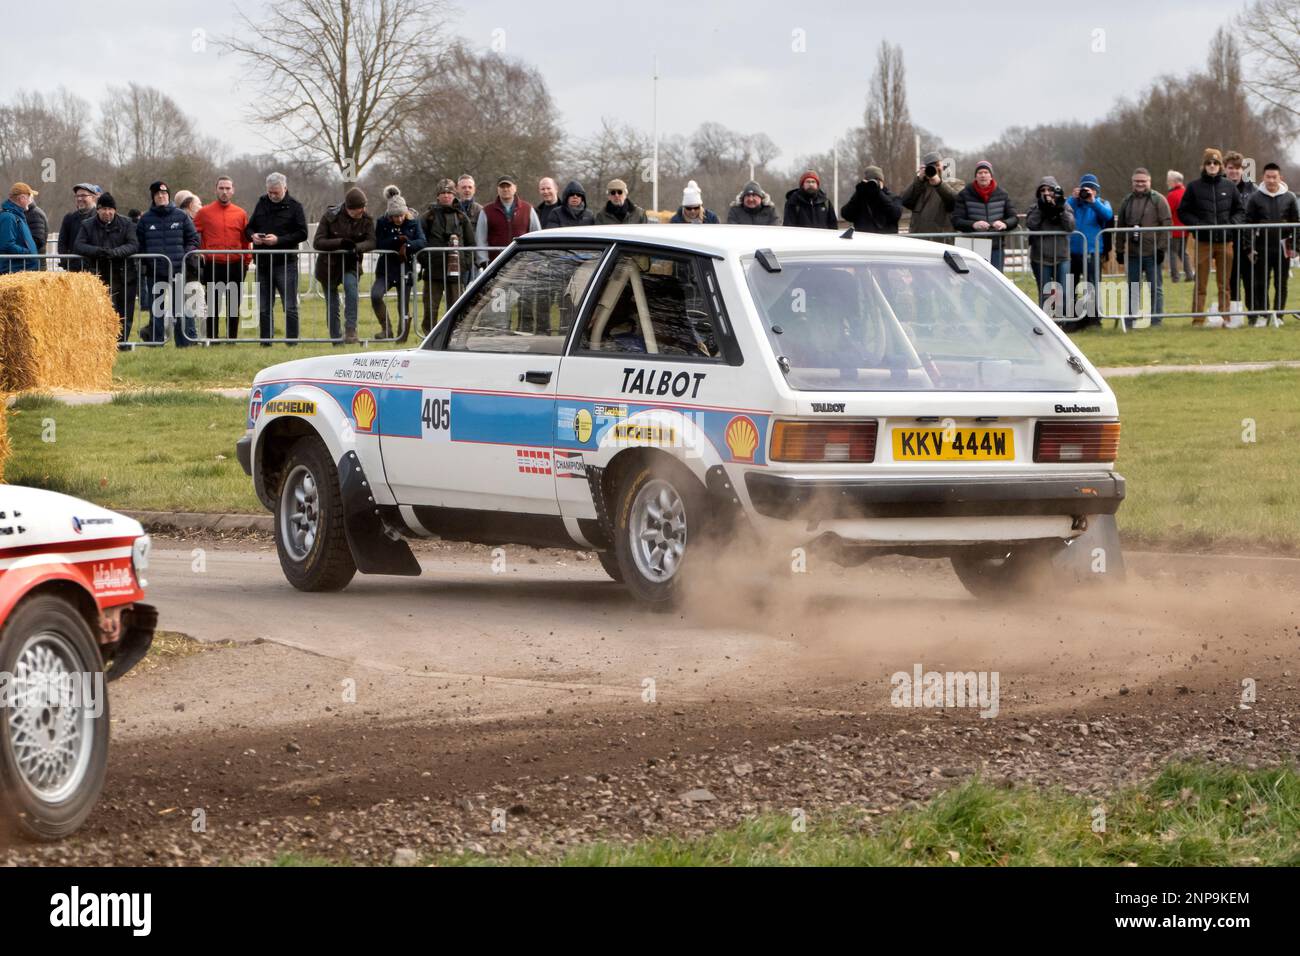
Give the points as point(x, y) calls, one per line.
point(15, 235)
point(1092, 214)
point(399, 237)
point(166, 231)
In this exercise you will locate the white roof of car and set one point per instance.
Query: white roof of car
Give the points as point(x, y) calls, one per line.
point(726, 241)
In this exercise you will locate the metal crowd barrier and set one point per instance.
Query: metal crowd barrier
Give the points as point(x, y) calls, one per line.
point(1015, 244)
point(1243, 292)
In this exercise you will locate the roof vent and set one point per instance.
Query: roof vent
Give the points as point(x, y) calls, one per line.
point(768, 260)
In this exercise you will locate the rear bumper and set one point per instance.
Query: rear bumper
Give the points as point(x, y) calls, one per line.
point(783, 496)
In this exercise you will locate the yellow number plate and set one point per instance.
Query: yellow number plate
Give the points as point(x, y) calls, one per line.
point(954, 444)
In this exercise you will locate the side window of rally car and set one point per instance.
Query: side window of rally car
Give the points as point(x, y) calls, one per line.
point(653, 304)
point(528, 305)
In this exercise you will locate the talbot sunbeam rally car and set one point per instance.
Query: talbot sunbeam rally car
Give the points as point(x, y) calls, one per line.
point(641, 391)
point(71, 618)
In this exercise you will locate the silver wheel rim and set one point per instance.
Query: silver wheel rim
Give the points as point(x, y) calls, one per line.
point(658, 530)
point(50, 733)
point(299, 513)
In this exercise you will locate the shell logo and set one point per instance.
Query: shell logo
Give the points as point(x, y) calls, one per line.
point(364, 409)
point(742, 438)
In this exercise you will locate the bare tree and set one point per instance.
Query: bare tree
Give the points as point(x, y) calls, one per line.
point(142, 123)
point(888, 135)
point(338, 78)
point(1270, 32)
point(615, 152)
point(482, 114)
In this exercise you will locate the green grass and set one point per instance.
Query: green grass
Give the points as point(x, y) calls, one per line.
point(147, 452)
point(1177, 341)
point(1189, 816)
point(1192, 481)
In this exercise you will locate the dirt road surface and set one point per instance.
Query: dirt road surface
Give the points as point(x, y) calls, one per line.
point(518, 702)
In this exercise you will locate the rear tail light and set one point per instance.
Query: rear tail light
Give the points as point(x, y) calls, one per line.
point(853, 442)
point(1076, 441)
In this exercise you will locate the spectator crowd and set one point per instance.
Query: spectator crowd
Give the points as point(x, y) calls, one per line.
point(187, 260)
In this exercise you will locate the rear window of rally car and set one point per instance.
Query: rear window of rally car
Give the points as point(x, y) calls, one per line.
point(906, 324)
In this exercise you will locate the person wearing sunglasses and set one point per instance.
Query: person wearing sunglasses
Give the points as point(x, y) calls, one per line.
point(1211, 200)
point(619, 208)
point(692, 209)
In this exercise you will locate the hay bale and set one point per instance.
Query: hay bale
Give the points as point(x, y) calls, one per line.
point(57, 330)
point(4, 435)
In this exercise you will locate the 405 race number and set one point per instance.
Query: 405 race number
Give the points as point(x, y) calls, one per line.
point(436, 414)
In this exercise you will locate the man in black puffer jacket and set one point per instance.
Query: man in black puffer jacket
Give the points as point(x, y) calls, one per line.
point(873, 208)
point(1211, 200)
point(166, 231)
point(808, 206)
point(104, 241)
point(1274, 249)
point(984, 207)
point(84, 194)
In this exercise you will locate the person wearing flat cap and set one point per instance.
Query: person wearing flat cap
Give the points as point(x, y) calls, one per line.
point(15, 235)
point(504, 220)
point(930, 199)
point(83, 196)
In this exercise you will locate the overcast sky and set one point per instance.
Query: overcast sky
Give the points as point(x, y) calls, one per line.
point(973, 68)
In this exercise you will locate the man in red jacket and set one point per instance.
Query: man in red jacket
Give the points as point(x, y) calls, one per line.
point(221, 225)
point(1178, 259)
point(504, 220)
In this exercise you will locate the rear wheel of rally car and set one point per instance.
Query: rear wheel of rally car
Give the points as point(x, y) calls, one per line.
point(1023, 570)
point(53, 719)
point(609, 561)
point(310, 536)
point(659, 511)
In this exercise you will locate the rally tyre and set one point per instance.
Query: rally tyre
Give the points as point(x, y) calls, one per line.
point(609, 561)
point(54, 725)
point(1025, 571)
point(658, 525)
point(310, 535)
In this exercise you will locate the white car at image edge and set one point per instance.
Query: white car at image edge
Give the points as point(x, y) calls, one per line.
point(643, 391)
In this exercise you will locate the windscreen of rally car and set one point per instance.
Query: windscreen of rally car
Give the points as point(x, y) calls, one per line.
point(907, 324)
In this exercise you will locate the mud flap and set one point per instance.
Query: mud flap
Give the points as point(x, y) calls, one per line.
point(373, 549)
point(1095, 555)
point(139, 623)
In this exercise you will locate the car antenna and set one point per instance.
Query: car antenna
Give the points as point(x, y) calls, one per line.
point(768, 260)
point(847, 233)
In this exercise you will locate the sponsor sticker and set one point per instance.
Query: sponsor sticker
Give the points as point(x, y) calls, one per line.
point(364, 410)
point(569, 464)
point(646, 434)
point(742, 438)
point(604, 410)
point(80, 524)
point(289, 406)
point(533, 461)
point(255, 405)
point(582, 425)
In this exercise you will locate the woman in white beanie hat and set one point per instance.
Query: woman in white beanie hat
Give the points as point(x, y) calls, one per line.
point(692, 208)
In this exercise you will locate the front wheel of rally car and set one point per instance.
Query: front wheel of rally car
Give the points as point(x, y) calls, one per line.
point(659, 514)
point(609, 561)
point(310, 536)
point(1024, 570)
point(54, 719)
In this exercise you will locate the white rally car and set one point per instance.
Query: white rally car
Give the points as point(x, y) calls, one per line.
point(639, 390)
point(71, 618)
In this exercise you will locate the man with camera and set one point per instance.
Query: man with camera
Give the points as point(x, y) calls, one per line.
point(930, 199)
point(872, 207)
point(1092, 214)
point(1050, 255)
